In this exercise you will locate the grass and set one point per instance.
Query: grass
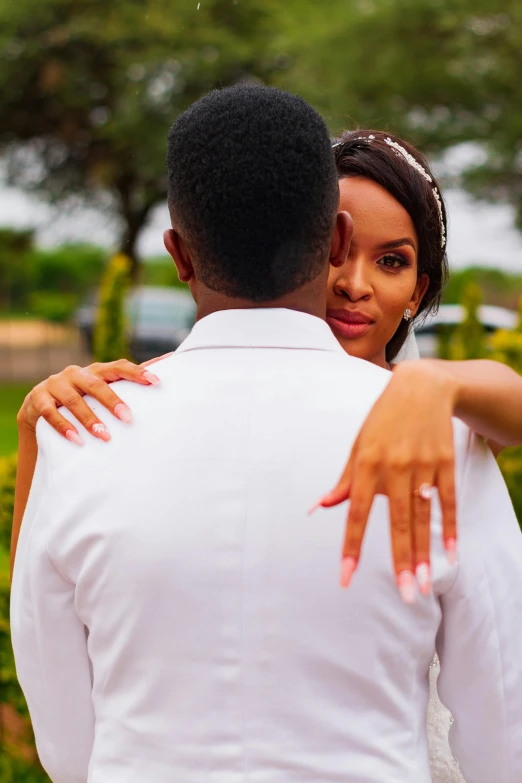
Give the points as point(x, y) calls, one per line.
point(11, 398)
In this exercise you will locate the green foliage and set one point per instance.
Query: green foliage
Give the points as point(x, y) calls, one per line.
point(500, 288)
point(11, 398)
point(52, 306)
point(93, 102)
point(469, 338)
point(70, 269)
point(510, 462)
point(507, 348)
point(110, 335)
point(15, 267)
point(18, 761)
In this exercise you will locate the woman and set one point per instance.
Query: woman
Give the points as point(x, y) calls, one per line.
point(394, 274)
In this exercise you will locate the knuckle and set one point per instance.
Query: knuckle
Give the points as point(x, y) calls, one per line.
point(401, 526)
point(368, 460)
point(46, 409)
point(70, 400)
point(95, 384)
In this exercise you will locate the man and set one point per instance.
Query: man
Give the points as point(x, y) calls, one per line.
point(176, 614)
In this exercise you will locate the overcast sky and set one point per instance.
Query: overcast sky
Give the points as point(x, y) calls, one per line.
point(479, 233)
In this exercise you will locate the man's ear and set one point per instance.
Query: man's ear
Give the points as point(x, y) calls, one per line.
point(178, 250)
point(341, 239)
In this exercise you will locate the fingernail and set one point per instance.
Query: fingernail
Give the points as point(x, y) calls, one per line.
point(101, 432)
point(74, 437)
point(151, 378)
point(406, 585)
point(320, 503)
point(123, 412)
point(422, 573)
point(451, 550)
point(348, 566)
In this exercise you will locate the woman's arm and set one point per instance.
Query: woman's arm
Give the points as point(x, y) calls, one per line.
point(27, 455)
point(406, 443)
point(68, 388)
point(488, 398)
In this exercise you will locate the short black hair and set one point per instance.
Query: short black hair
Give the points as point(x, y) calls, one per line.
point(368, 153)
point(253, 190)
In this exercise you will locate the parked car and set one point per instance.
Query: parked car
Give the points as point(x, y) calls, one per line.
point(492, 318)
point(159, 320)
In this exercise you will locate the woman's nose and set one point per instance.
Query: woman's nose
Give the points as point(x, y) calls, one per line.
point(353, 281)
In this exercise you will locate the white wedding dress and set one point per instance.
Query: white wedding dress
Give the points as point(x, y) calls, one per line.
point(444, 767)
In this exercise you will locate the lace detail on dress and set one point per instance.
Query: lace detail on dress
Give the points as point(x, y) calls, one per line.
point(443, 765)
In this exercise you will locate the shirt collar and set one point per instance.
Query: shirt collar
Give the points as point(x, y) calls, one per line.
point(261, 328)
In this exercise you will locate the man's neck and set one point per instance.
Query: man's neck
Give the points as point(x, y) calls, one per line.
point(310, 299)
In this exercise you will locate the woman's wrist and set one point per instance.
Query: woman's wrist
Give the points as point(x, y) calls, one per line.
point(435, 375)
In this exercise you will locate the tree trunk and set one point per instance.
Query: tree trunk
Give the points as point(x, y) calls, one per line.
point(134, 222)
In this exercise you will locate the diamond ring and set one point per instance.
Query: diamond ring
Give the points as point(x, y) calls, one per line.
point(425, 491)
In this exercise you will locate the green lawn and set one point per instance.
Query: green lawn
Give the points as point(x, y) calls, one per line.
point(11, 398)
point(4, 564)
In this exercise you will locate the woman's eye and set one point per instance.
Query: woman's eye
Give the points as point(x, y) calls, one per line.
point(392, 262)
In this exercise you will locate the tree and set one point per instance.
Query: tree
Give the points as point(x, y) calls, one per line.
point(110, 333)
point(89, 89)
point(469, 338)
point(439, 72)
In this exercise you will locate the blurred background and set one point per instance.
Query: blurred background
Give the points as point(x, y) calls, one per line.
point(88, 90)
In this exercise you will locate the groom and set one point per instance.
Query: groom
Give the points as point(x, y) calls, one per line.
point(175, 613)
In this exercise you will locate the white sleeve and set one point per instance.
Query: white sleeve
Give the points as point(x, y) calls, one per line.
point(50, 645)
point(480, 639)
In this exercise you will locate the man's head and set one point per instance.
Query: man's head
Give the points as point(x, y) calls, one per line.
point(253, 193)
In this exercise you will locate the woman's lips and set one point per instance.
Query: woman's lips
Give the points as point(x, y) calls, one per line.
point(348, 323)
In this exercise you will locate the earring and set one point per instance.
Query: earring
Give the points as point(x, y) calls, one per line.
point(407, 314)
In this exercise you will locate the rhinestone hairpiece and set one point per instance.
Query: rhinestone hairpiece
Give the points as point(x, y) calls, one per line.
point(414, 164)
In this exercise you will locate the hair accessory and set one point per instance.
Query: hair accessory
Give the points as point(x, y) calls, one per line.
point(414, 164)
point(422, 171)
point(407, 314)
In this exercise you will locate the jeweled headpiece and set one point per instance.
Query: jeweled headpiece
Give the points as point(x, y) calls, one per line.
point(414, 164)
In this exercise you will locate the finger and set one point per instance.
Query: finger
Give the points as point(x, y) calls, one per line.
point(421, 528)
point(47, 410)
point(362, 494)
point(157, 359)
point(340, 492)
point(120, 370)
point(75, 403)
point(399, 495)
point(448, 504)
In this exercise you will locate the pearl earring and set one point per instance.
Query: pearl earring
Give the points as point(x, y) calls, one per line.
point(407, 314)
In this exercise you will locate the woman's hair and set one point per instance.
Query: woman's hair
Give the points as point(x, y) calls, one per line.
point(401, 170)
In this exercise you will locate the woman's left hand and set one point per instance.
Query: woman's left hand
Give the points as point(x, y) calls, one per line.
point(405, 444)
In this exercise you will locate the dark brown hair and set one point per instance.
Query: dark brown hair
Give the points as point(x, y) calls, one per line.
point(368, 153)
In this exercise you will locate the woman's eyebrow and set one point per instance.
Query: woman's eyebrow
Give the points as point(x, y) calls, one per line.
point(398, 243)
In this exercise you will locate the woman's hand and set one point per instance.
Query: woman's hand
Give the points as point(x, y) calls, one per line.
point(405, 444)
point(68, 388)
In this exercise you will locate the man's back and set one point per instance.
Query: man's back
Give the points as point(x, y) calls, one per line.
point(222, 647)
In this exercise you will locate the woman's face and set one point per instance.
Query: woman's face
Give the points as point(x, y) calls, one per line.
point(368, 295)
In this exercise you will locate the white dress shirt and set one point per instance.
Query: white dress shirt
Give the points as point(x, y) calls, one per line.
point(177, 615)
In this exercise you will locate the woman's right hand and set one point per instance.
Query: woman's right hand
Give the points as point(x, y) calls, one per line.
point(68, 389)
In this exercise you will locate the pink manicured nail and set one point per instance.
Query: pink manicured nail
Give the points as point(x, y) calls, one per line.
point(422, 573)
point(123, 412)
point(101, 432)
point(406, 585)
point(451, 550)
point(151, 378)
point(74, 437)
point(320, 503)
point(348, 566)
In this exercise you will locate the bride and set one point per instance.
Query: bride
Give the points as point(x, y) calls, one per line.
point(393, 276)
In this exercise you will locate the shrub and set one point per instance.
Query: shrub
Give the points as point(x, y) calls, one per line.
point(469, 338)
point(110, 334)
point(18, 759)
